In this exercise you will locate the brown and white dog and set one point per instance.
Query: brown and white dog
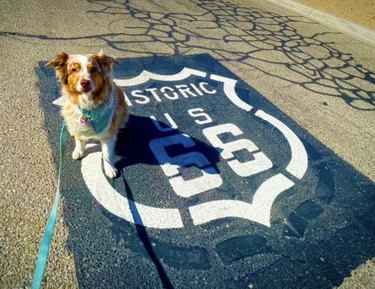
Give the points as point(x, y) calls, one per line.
point(94, 107)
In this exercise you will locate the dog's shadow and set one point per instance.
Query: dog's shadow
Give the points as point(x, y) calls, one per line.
point(133, 145)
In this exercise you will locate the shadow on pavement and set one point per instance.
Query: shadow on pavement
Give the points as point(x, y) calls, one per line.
point(133, 145)
point(143, 236)
point(258, 39)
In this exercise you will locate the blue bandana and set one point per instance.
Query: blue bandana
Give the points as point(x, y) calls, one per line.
point(98, 118)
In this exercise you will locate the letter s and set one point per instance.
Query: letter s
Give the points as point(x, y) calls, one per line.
point(199, 112)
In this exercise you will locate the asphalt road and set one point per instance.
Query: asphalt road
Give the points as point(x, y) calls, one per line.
point(318, 81)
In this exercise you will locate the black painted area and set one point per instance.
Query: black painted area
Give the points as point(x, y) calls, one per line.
point(321, 228)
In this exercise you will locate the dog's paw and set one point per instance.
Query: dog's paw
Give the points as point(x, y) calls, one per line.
point(110, 171)
point(77, 154)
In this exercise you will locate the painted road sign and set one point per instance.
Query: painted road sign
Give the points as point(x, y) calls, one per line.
point(199, 91)
point(218, 189)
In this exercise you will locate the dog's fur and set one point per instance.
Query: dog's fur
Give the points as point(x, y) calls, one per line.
point(86, 83)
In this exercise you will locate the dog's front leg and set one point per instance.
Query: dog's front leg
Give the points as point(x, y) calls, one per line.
point(79, 150)
point(108, 147)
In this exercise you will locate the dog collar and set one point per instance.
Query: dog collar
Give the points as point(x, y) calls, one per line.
point(99, 117)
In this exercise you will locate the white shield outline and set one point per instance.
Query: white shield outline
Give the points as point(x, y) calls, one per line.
point(165, 218)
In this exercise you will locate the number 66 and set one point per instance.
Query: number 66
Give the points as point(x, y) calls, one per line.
point(260, 162)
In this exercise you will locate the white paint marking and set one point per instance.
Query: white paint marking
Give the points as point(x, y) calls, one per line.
point(172, 126)
point(127, 100)
point(259, 211)
point(209, 179)
point(119, 205)
point(146, 76)
point(258, 164)
point(299, 161)
point(170, 165)
point(59, 101)
point(230, 91)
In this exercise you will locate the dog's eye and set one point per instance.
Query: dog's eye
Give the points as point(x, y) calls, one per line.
point(74, 69)
point(93, 69)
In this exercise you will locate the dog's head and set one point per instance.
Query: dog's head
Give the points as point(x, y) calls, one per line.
point(89, 74)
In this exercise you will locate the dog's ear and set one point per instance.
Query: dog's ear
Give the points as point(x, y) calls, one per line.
point(59, 60)
point(59, 63)
point(104, 60)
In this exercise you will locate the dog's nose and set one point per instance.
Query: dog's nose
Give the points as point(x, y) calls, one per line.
point(85, 83)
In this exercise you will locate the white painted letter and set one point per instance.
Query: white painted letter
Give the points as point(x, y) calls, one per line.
point(196, 89)
point(172, 125)
point(199, 112)
point(138, 94)
point(205, 89)
point(185, 89)
point(163, 89)
point(154, 94)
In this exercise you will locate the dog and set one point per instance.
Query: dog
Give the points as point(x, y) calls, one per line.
point(94, 107)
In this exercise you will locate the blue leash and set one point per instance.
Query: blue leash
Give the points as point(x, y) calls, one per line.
point(45, 244)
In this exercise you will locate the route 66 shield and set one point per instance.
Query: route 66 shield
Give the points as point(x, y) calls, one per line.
point(197, 141)
point(224, 189)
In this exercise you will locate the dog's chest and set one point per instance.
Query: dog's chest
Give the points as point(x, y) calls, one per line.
point(75, 124)
point(88, 123)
